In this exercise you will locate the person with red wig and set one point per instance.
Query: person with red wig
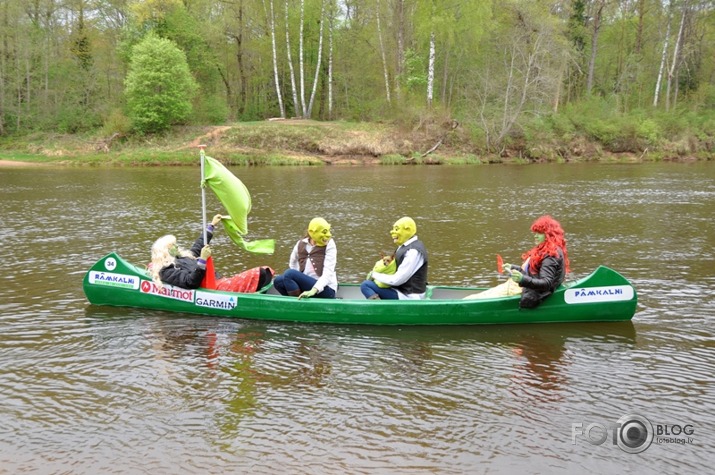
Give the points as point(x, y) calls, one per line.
point(545, 265)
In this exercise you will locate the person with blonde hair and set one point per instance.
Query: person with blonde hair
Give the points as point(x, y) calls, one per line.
point(312, 264)
point(186, 269)
point(183, 268)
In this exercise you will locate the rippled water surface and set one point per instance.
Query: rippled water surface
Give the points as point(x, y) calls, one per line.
point(87, 389)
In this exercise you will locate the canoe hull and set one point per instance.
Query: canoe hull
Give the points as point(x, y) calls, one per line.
point(604, 295)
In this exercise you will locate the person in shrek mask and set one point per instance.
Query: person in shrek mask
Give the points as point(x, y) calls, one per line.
point(312, 263)
point(410, 279)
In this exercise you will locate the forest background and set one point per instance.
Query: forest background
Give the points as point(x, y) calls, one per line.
point(389, 80)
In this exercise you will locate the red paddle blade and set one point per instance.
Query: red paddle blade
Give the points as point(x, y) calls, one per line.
point(209, 280)
point(500, 264)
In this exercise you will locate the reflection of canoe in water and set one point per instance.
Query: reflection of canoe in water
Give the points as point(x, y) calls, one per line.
point(604, 295)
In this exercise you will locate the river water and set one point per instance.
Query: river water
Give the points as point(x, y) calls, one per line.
point(87, 389)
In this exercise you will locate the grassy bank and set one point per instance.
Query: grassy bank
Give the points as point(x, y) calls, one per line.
point(306, 142)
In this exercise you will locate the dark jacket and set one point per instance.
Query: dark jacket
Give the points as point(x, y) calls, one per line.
point(539, 283)
point(416, 284)
point(185, 272)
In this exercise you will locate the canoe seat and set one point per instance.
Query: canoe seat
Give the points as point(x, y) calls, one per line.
point(435, 292)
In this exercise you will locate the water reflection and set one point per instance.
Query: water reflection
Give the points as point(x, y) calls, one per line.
point(117, 390)
point(249, 364)
point(542, 356)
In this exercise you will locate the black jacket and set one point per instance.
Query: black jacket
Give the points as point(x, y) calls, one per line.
point(416, 284)
point(536, 287)
point(185, 272)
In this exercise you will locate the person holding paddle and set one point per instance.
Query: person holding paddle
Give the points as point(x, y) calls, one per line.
point(546, 264)
point(409, 281)
point(544, 269)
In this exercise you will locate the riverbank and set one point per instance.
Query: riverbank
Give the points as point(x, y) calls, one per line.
point(307, 142)
point(16, 164)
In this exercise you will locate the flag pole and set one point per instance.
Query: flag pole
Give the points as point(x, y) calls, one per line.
point(203, 192)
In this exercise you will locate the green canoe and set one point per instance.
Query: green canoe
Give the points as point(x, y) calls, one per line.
point(604, 295)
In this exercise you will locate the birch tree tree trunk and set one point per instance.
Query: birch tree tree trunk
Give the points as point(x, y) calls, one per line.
point(302, 60)
point(272, 26)
point(317, 63)
point(382, 53)
point(331, 26)
point(430, 69)
point(662, 62)
point(594, 44)
point(676, 57)
point(296, 104)
point(400, 40)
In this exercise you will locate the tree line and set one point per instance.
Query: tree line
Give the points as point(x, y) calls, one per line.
point(505, 68)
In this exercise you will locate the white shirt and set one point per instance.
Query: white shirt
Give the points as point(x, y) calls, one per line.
point(329, 278)
point(411, 262)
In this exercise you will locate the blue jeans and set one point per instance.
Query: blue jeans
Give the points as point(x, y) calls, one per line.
point(294, 280)
point(370, 288)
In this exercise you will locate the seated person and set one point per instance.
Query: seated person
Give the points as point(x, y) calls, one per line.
point(544, 269)
point(186, 269)
point(410, 278)
point(312, 265)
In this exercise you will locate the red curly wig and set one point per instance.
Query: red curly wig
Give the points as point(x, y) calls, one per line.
point(553, 240)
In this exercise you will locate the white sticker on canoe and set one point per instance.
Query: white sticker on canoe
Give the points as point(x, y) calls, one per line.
point(168, 291)
point(611, 293)
point(114, 280)
point(223, 302)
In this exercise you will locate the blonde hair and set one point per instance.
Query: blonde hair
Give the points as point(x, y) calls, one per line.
point(161, 257)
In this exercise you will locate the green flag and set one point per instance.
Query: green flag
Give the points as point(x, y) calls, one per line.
point(231, 192)
point(262, 246)
point(234, 196)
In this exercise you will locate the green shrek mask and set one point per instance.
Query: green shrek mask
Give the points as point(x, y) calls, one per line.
point(319, 231)
point(403, 230)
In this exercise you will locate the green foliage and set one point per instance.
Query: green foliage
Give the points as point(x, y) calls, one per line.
point(634, 131)
point(622, 134)
point(117, 122)
point(704, 98)
point(415, 71)
point(500, 66)
point(74, 120)
point(476, 134)
point(577, 25)
point(469, 159)
point(392, 159)
point(211, 109)
point(159, 86)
